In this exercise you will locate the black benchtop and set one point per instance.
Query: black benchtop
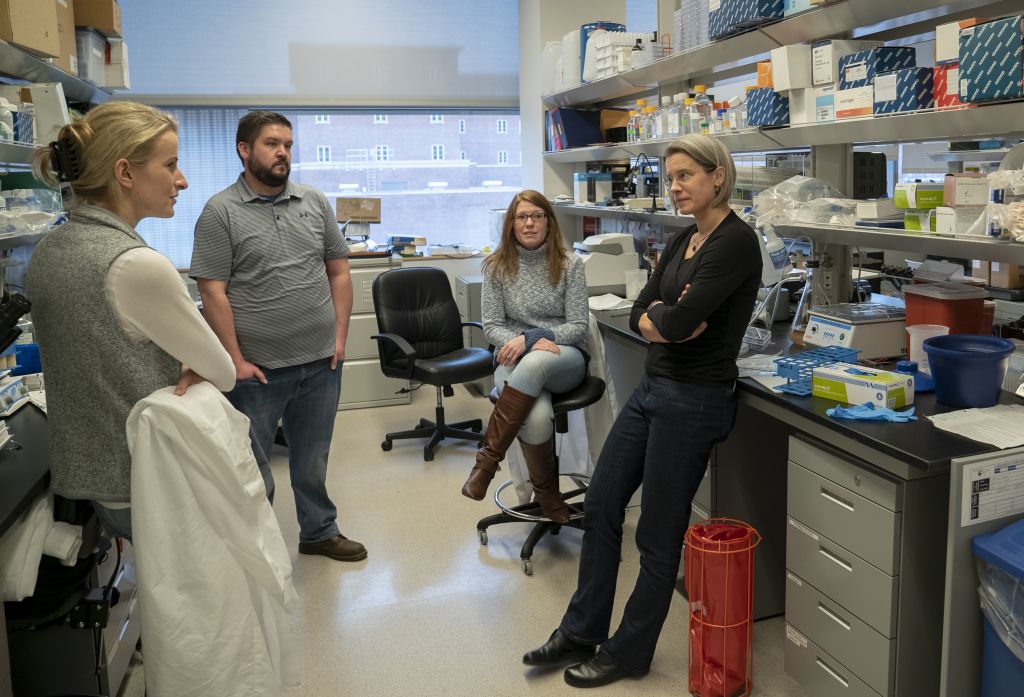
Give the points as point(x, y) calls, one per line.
point(24, 470)
point(918, 443)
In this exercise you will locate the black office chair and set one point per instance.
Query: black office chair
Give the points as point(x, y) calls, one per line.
point(420, 340)
point(585, 394)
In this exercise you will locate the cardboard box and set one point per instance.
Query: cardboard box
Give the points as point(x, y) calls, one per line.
point(965, 190)
point(859, 101)
point(825, 57)
point(766, 107)
point(68, 58)
point(956, 222)
point(909, 89)
point(982, 269)
point(877, 208)
point(918, 195)
point(946, 85)
point(764, 73)
point(859, 69)
point(1005, 275)
point(31, 25)
point(727, 17)
point(992, 60)
point(824, 103)
point(801, 106)
point(116, 76)
point(358, 210)
point(947, 39)
point(102, 15)
point(855, 384)
point(919, 220)
point(791, 67)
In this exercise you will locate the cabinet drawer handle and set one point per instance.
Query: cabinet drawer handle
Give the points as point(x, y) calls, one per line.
point(829, 496)
point(834, 617)
point(834, 559)
point(839, 678)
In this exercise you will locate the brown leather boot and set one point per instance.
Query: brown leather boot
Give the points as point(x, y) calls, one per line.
point(540, 461)
point(507, 418)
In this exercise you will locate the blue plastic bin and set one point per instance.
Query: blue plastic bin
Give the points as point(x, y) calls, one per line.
point(968, 368)
point(28, 359)
point(1000, 557)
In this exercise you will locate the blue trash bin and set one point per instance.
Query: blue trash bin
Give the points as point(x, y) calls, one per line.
point(1000, 558)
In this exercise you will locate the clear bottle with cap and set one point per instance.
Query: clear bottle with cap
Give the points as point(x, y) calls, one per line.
point(631, 127)
point(672, 118)
point(663, 116)
point(704, 106)
point(652, 122)
point(686, 117)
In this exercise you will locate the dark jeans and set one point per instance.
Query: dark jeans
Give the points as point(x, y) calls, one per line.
point(305, 399)
point(662, 438)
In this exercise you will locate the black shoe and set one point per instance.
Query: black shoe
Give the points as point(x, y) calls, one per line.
point(558, 649)
point(596, 671)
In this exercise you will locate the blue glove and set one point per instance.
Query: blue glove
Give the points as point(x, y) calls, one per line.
point(869, 412)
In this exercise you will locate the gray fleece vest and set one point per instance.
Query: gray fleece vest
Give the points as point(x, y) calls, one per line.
point(94, 372)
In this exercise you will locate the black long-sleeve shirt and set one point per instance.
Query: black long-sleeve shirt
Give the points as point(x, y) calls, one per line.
point(724, 276)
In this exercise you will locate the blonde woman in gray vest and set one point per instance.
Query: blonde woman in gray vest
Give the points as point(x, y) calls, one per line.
point(112, 316)
point(535, 312)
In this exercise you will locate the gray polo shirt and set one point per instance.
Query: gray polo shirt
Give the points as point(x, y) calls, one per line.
point(272, 254)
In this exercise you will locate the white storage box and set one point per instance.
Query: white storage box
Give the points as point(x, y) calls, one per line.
point(791, 67)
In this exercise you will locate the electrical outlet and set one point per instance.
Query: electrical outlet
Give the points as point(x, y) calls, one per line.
point(826, 280)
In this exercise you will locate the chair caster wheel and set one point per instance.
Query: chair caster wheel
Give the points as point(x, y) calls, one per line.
point(482, 534)
point(386, 445)
point(421, 424)
point(527, 567)
point(428, 455)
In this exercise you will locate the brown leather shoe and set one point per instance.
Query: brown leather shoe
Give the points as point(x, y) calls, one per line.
point(540, 462)
point(339, 548)
point(510, 411)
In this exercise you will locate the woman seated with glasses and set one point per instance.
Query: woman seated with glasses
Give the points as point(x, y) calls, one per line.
point(535, 313)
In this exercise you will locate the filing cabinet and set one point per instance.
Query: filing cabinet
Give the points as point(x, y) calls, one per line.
point(863, 589)
point(467, 297)
point(362, 383)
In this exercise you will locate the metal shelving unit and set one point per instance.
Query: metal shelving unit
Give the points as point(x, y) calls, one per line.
point(658, 218)
point(19, 65)
point(16, 153)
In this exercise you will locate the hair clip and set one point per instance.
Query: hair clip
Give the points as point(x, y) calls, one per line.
point(65, 160)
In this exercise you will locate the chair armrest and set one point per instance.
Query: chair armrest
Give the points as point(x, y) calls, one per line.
point(408, 352)
point(478, 325)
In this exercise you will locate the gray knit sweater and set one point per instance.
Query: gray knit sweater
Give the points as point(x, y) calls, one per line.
point(511, 307)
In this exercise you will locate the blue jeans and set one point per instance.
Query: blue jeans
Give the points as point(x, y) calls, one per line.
point(538, 374)
point(305, 399)
point(662, 438)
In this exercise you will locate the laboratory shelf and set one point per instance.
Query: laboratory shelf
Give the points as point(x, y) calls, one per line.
point(899, 240)
point(994, 155)
point(19, 65)
point(999, 119)
point(16, 153)
point(659, 218)
point(863, 19)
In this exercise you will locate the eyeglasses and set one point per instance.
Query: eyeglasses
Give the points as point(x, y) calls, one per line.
point(535, 217)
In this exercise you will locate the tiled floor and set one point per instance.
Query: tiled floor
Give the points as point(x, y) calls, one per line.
point(431, 612)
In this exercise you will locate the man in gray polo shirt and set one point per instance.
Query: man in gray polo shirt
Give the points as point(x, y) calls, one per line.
point(273, 275)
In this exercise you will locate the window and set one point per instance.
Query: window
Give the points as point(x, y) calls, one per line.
point(323, 153)
point(436, 152)
point(363, 162)
point(322, 118)
point(502, 125)
point(437, 118)
point(503, 157)
point(380, 118)
point(462, 125)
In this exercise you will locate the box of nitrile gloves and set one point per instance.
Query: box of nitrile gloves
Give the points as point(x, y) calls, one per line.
point(908, 89)
point(992, 60)
point(766, 107)
point(859, 69)
point(727, 17)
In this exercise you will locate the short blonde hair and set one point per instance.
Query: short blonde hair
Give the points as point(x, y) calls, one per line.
point(710, 154)
point(92, 144)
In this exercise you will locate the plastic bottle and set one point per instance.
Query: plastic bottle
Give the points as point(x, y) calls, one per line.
point(738, 107)
point(672, 117)
point(720, 119)
point(693, 115)
point(662, 117)
point(651, 122)
point(631, 127)
point(704, 106)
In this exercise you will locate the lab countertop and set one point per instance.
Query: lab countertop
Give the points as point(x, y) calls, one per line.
point(920, 444)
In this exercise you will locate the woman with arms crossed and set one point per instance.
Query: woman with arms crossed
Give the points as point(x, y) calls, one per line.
point(693, 311)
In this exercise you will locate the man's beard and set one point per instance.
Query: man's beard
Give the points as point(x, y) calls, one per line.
point(266, 175)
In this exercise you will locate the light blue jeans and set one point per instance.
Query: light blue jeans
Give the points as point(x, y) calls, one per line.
point(539, 373)
point(305, 399)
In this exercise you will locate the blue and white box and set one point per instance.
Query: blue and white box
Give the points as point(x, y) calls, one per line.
point(766, 107)
point(792, 7)
point(908, 89)
point(992, 60)
point(859, 69)
point(727, 17)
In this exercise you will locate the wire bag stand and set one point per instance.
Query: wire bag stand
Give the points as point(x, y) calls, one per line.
point(719, 567)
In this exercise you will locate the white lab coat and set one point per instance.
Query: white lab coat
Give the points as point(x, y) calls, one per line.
point(214, 577)
point(24, 544)
point(578, 449)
